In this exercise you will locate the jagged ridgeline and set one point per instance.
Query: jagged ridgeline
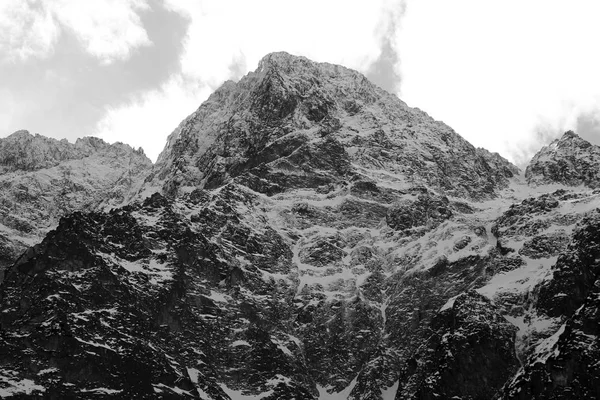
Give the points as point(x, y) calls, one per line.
point(303, 235)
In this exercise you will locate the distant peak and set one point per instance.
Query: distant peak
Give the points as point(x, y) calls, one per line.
point(570, 139)
point(570, 160)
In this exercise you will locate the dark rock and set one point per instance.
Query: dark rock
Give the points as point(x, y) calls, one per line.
point(470, 353)
point(575, 272)
point(427, 211)
point(566, 367)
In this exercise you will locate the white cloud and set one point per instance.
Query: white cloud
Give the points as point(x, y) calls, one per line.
point(28, 30)
point(335, 31)
point(107, 29)
point(6, 109)
point(150, 117)
point(499, 71)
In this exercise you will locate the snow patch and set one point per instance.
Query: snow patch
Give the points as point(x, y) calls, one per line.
point(10, 385)
point(520, 280)
point(101, 390)
point(449, 304)
point(390, 393)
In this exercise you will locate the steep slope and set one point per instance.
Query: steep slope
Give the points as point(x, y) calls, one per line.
point(314, 238)
point(570, 160)
point(43, 179)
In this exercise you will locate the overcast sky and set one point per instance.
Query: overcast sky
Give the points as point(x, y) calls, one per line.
point(507, 75)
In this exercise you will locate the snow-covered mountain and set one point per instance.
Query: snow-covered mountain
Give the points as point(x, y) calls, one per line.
point(294, 123)
point(306, 235)
point(43, 179)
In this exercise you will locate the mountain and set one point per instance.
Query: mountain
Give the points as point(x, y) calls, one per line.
point(306, 235)
point(297, 124)
point(570, 161)
point(43, 179)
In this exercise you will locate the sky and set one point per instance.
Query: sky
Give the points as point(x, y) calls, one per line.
point(507, 75)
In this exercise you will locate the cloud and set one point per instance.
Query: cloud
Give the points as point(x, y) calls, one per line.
point(107, 29)
point(385, 71)
point(238, 67)
point(7, 106)
point(543, 134)
point(581, 118)
point(588, 126)
point(334, 31)
point(28, 30)
point(493, 70)
point(149, 117)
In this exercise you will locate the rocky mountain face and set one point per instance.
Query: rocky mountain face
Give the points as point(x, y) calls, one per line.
point(305, 235)
point(43, 179)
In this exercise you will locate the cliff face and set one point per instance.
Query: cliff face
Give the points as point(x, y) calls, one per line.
point(312, 236)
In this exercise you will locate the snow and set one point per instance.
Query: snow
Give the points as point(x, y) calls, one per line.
point(48, 371)
point(101, 390)
point(203, 395)
point(159, 388)
point(520, 280)
point(544, 349)
point(10, 385)
point(158, 273)
point(449, 304)
point(238, 343)
point(390, 393)
point(383, 308)
point(95, 344)
point(218, 297)
point(281, 346)
point(324, 393)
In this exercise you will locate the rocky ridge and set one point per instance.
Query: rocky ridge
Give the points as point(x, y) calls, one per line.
point(312, 237)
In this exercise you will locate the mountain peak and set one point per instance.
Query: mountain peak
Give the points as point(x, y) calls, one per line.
point(281, 58)
point(569, 135)
point(569, 160)
point(298, 124)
